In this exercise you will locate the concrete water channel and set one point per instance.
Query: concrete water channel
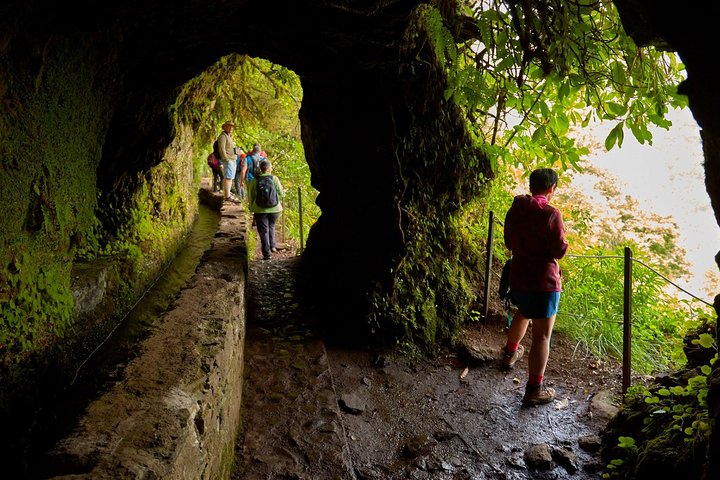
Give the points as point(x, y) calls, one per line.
point(50, 450)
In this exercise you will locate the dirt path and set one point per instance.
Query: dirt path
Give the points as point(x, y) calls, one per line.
point(315, 411)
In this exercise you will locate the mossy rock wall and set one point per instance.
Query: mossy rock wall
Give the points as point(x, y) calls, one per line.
point(390, 212)
point(60, 103)
point(60, 92)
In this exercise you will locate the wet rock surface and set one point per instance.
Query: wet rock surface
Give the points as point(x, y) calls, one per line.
point(315, 410)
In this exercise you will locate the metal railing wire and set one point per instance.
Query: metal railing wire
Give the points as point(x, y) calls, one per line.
point(627, 292)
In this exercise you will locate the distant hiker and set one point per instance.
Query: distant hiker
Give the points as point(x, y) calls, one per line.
point(217, 172)
point(238, 180)
point(226, 149)
point(535, 234)
point(265, 194)
point(252, 163)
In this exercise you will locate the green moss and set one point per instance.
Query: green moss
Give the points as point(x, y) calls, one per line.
point(50, 150)
point(60, 98)
point(434, 283)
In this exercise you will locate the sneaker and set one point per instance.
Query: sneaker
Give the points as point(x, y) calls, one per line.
point(538, 394)
point(274, 250)
point(232, 198)
point(510, 359)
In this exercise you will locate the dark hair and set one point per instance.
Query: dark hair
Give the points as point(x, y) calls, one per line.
point(542, 179)
point(265, 166)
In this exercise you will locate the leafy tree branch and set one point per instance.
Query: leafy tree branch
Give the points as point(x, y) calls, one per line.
point(528, 71)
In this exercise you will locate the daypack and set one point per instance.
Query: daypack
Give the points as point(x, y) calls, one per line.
point(216, 150)
point(213, 161)
point(266, 195)
point(255, 164)
point(504, 286)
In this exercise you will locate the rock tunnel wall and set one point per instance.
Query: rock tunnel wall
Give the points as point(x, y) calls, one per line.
point(690, 30)
point(92, 91)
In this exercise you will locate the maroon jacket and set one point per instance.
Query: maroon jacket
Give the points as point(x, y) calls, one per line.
point(535, 234)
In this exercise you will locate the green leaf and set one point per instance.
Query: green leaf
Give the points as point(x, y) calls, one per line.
point(614, 137)
point(706, 340)
point(677, 390)
point(626, 442)
point(563, 91)
point(616, 109)
point(538, 134)
point(562, 123)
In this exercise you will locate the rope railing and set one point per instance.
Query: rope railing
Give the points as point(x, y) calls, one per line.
point(627, 292)
point(671, 282)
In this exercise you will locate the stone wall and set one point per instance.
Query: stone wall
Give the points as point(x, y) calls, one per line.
point(176, 412)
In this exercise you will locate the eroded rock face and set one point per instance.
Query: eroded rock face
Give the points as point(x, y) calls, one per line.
point(690, 30)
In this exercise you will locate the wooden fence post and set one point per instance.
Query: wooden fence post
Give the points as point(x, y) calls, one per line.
point(627, 320)
point(300, 221)
point(488, 263)
point(283, 226)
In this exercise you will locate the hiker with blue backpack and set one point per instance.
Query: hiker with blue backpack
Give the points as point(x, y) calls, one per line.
point(251, 166)
point(265, 193)
point(535, 234)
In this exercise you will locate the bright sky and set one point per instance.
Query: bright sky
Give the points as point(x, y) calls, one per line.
point(667, 178)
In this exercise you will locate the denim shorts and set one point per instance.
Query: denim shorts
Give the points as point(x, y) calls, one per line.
point(229, 169)
point(537, 304)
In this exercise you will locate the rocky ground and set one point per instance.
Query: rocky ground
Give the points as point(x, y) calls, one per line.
point(313, 410)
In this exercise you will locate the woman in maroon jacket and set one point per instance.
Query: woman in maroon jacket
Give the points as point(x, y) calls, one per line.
point(535, 234)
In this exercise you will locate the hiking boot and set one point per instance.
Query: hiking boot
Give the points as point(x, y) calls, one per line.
point(510, 359)
point(538, 394)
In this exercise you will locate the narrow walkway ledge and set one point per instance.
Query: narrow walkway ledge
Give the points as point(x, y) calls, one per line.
point(176, 412)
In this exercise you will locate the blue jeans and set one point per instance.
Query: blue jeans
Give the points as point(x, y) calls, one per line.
point(239, 190)
point(266, 229)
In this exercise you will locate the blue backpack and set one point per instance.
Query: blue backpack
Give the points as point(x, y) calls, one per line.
point(254, 164)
